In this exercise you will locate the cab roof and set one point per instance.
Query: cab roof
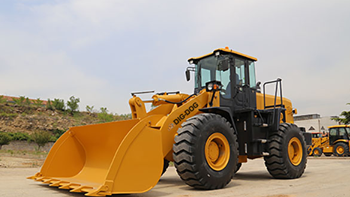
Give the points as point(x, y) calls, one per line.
point(338, 126)
point(225, 50)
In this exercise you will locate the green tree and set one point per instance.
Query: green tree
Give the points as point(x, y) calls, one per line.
point(58, 104)
point(4, 139)
point(41, 138)
point(104, 116)
point(89, 109)
point(346, 115)
point(72, 104)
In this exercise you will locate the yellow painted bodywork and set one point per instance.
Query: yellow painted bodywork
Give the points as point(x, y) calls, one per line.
point(269, 101)
point(226, 50)
point(339, 126)
point(120, 157)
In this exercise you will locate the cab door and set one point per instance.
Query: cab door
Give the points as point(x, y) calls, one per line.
point(244, 92)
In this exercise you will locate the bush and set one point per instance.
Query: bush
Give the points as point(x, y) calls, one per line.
point(19, 101)
point(38, 102)
point(49, 105)
point(4, 139)
point(41, 138)
point(57, 134)
point(72, 104)
point(2, 100)
point(19, 136)
point(123, 116)
point(8, 115)
point(104, 116)
point(58, 104)
point(27, 102)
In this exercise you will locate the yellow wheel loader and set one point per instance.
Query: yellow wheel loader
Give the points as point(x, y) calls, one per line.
point(208, 135)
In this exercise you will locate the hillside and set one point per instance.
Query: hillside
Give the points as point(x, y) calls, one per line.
point(30, 118)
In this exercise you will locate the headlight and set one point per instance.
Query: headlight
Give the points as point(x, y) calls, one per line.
point(210, 87)
point(213, 86)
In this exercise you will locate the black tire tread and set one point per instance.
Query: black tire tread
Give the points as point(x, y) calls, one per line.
point(346, 149)
point(184, 159)
point(275, 162)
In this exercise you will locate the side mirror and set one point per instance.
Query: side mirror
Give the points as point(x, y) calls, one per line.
point(258, 88)
point(188, 76)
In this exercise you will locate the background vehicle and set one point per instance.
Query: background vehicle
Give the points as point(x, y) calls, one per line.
point(318, 143)
point(207, 134)
point(336, 143)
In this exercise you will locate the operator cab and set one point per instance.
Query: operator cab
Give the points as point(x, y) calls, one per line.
point(339, 132)
point(234, 70)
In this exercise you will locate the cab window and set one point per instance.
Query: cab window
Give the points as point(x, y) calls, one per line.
point(240, 72)
point(252, 80)
point(332, 132)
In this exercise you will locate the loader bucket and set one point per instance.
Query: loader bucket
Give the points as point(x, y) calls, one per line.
point(105, 159)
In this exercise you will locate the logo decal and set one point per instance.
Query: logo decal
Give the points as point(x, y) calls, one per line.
point(185, 113)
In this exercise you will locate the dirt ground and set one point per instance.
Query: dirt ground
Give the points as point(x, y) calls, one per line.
point(323, 177)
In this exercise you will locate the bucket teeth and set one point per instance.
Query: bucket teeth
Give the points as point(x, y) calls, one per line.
point(35, 176)
point(68, 186)
point(39, 178)
point(101, 191)
point(49, 180)
point(57, 183)
point(81, 188)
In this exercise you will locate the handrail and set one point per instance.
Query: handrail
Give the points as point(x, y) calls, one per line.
point(278, 81)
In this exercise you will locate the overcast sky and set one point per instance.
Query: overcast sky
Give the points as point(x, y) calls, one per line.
point(100, 51)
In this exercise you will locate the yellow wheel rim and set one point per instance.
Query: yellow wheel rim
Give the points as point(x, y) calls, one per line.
point(316, 152)
point(295, 151)
point(217, 151)
point(340, 150)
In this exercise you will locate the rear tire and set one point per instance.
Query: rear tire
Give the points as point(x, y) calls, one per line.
point(206, 151)
point(341, 149)
point(317, 152)
point(287, 152)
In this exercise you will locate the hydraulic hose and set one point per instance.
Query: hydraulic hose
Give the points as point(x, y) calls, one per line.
point(180, 101)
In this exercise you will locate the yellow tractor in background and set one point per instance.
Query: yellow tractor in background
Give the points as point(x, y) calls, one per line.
point(208, 135)
point(318, 142)
point(337, 142)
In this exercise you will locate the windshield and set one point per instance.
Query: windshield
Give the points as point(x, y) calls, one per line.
point(213, 68)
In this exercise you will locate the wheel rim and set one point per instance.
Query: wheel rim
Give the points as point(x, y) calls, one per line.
point(316, 152)
point(217, 151)
point(340, 150)
point(295, 151)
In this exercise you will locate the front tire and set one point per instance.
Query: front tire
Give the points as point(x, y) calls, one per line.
point(206, 151)
point(317, 152)
point(287, 152)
